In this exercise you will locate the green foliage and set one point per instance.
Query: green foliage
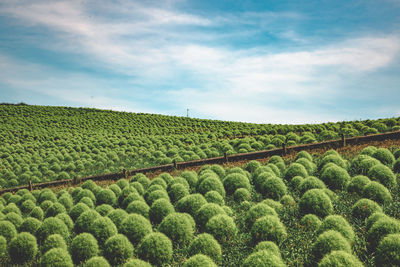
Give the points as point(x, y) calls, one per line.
point(377, 192)
point(234, 181)
point(30, 225)
point(382, 174)
point(263, 258)
point(199, 260)
point(384, 155)
point(52, 226)
point(380, 229)
point(269, 246)
point(117, 216)
point(155, 248)
point(327, 242)
point(77, 210)
point(56, 257)
point(315, 201)
point(53, 241)
point(241, 194)
point(160, 209)
point(85, 220)
point(106, 196)
point(14, 218)
point(83, 247)
point(337, 223)
point(357, 183)
point(140, 207)
point(295, 169)
point(104, 209)
point(155, 195)
point(137, 263)
point(102, 229)
point(364, 207)
point(178, 227)
point(332, 158)
point(310, 222)
point(207, 245)
point(335, 177)
point(373, 219)
point(222, 227)
point(177, 191)
point(388, 251)
point(258, 211)
point(310, 182)
point(308, 164)
point(396, 166)
point(252, 165)
point(273, 188)
point(206, 212)
point(96, 261)
point(191, 178)
point(135, 227)
point(268, 228)
point(191, 204)
point(37, 213)
point(22, 248)
point(211, 184)
point(54, 209)
point(117, 249)
point(340, 258)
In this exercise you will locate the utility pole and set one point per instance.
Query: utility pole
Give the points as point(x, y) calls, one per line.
point(187, 113)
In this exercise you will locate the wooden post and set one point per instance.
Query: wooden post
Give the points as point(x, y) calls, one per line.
point(175, 165)
point(30, 186)
point(225, 157)
point(343, 140)
point(125, 173)
point(284, 148)
point(75, 180)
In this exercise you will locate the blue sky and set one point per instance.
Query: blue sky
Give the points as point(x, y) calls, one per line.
point(252, 61)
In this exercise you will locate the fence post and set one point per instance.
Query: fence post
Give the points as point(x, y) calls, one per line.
point(225, 157)
point(30, 186)
point(125, 173)
point(343, 140)
point(175, 164)
point(284, 148)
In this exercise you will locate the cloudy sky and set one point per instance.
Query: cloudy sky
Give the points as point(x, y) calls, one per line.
point(255, 61)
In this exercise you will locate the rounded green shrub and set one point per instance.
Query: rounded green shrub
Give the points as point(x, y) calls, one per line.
point(190, 177)
point(122, 183)
point(315, 201)
point(396, 166)
point(27, 206)
point(56, 257)
point(77, 210)
point(357, 183)
point(66, 201)
point(268, 228)
point(335, 177)
point(380, 229)
point(211, 183)
point(178, 180)
point(191, 204)
point(304, 154)
point(85, 220)
point(155, 248)
point(14, 218)
point(106, 196)
point(137, 263)
point(22, 248)
point(258, 211)
point(310, 182)
point(263, 258)
point(135, 227)
point(382, 174)
point(384, 155)
point(310, 222)
point(273, 187)
point(309, 165)
point(52, 226)
point(222, 227)
point(252, 165)
point(340, 258)
point(53, 241)
point(134, 196)
point(139, 187)
point(30, 225)
point(83, 247)
point(206, 212)
point(366, 164)
point(214, 197)
point(177, 191)
point(117, 249)
point(37, 213)
point(333, 158)
point(396, 153)
point(116, 189)
point(295, 182)
point(268, 245)
point(377, 192)
point(327, 242)
point(337, 223)
point(117, 216)
point(102, 229)
point(46, 194)
point(155, 195)
point(295, 169)
point(207, 245)
point(259, 179)
point(242, 194)
point(3, 247)
point(178, 228)
point(160, 209)
point(199, 260)
point(104, 209)
point(11, 207)
point(54, 209)
point(234, 181)
point(388, 251)
point(96, 261)
point(85, 193)
point(364, 207)
point(373, 219)
point(159, 181)
point(369, 150)
point(139, 207)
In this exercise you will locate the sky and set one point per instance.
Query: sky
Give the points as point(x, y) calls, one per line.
point(250, 61)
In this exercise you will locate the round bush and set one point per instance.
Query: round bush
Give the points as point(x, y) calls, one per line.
point(304, 154)
point(96, 262)
point(27, 206)
point(380, 229)
point(252, 165)
point(46, 194)
point(116, 189)
point(67, 202)
point(207, 245)
point(138, 186)
point(30, 225)
point(104, 209)
point(52, 226)
point(258, 180)
point(340, 258)
point(56, 257)
point(77, 210)
point(122, 183)
point(222, 227)
point(258, 211)
point(139, 207)
point(373, 219)
point(11, 207)
point(54, 209)
point(85, 193)
point(214, 197)
point(366, 164)
point(388, 251)
point(159, 181)
point(263, 258)
point(22, 248)
point(315, 201)
point(117, 216)
point(85, 220)
point(118, 249)
point(155, 195)
point(309, 165)
point(178, 228)
point(295, 182)
point(384, 155)
point(199, 260)
point(268, 245)
point(310, 222)
point(135, 227)
point(133, 197)
point(106, 196)
point(14, 218)
point(177, 191)
point(211, 183)
point(357, 183)
point(37, 213)
point(206, 212)
point(396, 166)
point(190, 177)
point(382, 174)
point(3, 246)
point(268, 228)
point(295, 169)
point(53, 241)
point(334, 158)
point(155, 248)
point(178, 180)
point(160, 209)
point(137, 263)
point(191, 203)
point(102, 229)
point(335, 177)
point(377, 192)
point(337, 223)
point(241, 194)
point(327, 242)
point(83, 247)
point(234, 181)
point(364, 207)
point(310, 182)
point(273, 188)
point(369, 150)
